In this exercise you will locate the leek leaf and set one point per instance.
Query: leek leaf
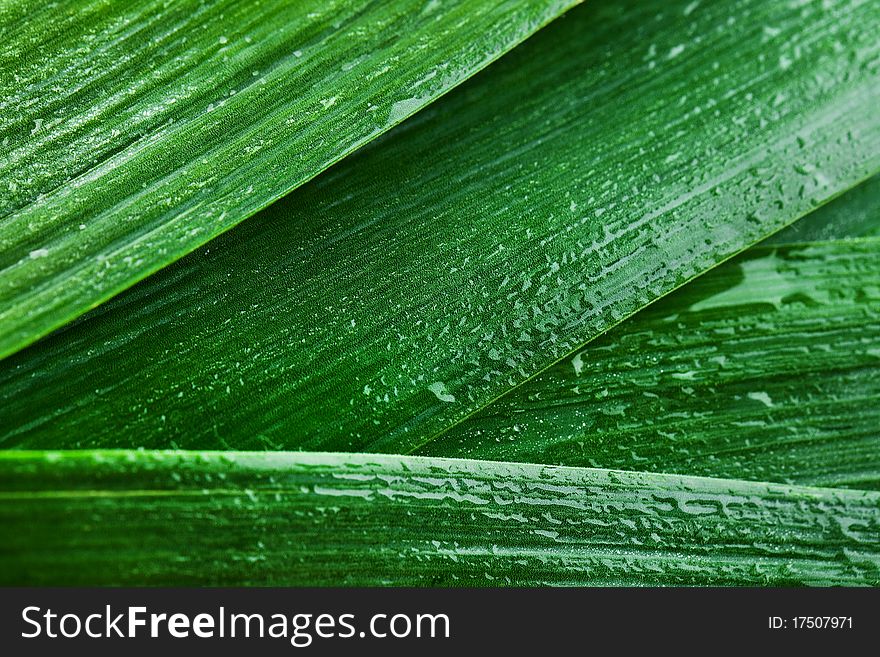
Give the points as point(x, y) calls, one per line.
point(327, 519)
point(619, 153)
point(854, 215)
point(766, 368)
point(134, 132)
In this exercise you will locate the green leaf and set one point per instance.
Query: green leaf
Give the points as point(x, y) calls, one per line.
point(767, 368)
point(134, 132)
point(323, 519)
point(855, 214)
point(613, 157)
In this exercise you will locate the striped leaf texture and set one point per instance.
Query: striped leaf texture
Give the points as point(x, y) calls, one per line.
point(767, 368)
point(317, 519)
point(619, 153)
point(134, 132)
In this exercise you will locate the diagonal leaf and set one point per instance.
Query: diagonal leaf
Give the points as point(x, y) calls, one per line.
point(855, 214)
point(325, 519)
point(619, 153)
point(134, 132)
point(767, 368)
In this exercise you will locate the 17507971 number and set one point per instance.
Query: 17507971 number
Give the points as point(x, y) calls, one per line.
point(810, 623)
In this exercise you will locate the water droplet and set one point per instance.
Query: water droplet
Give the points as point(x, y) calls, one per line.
point(762, 397)
point(440, 391)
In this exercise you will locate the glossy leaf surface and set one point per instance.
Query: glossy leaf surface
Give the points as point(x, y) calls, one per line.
point(134, 132)
point(319, 519)
point(622, 151)
point(767, 368)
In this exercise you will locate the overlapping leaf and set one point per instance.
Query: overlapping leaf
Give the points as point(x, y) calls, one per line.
point(767, 369)
point(619, 153)
point(855, 215)
point(134, 132)
point(316, 519)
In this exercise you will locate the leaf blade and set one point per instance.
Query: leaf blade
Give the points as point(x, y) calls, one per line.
point(142, 132)
point(322, 519)
point(853, 215)
point(766, 369)
point(385, 302)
